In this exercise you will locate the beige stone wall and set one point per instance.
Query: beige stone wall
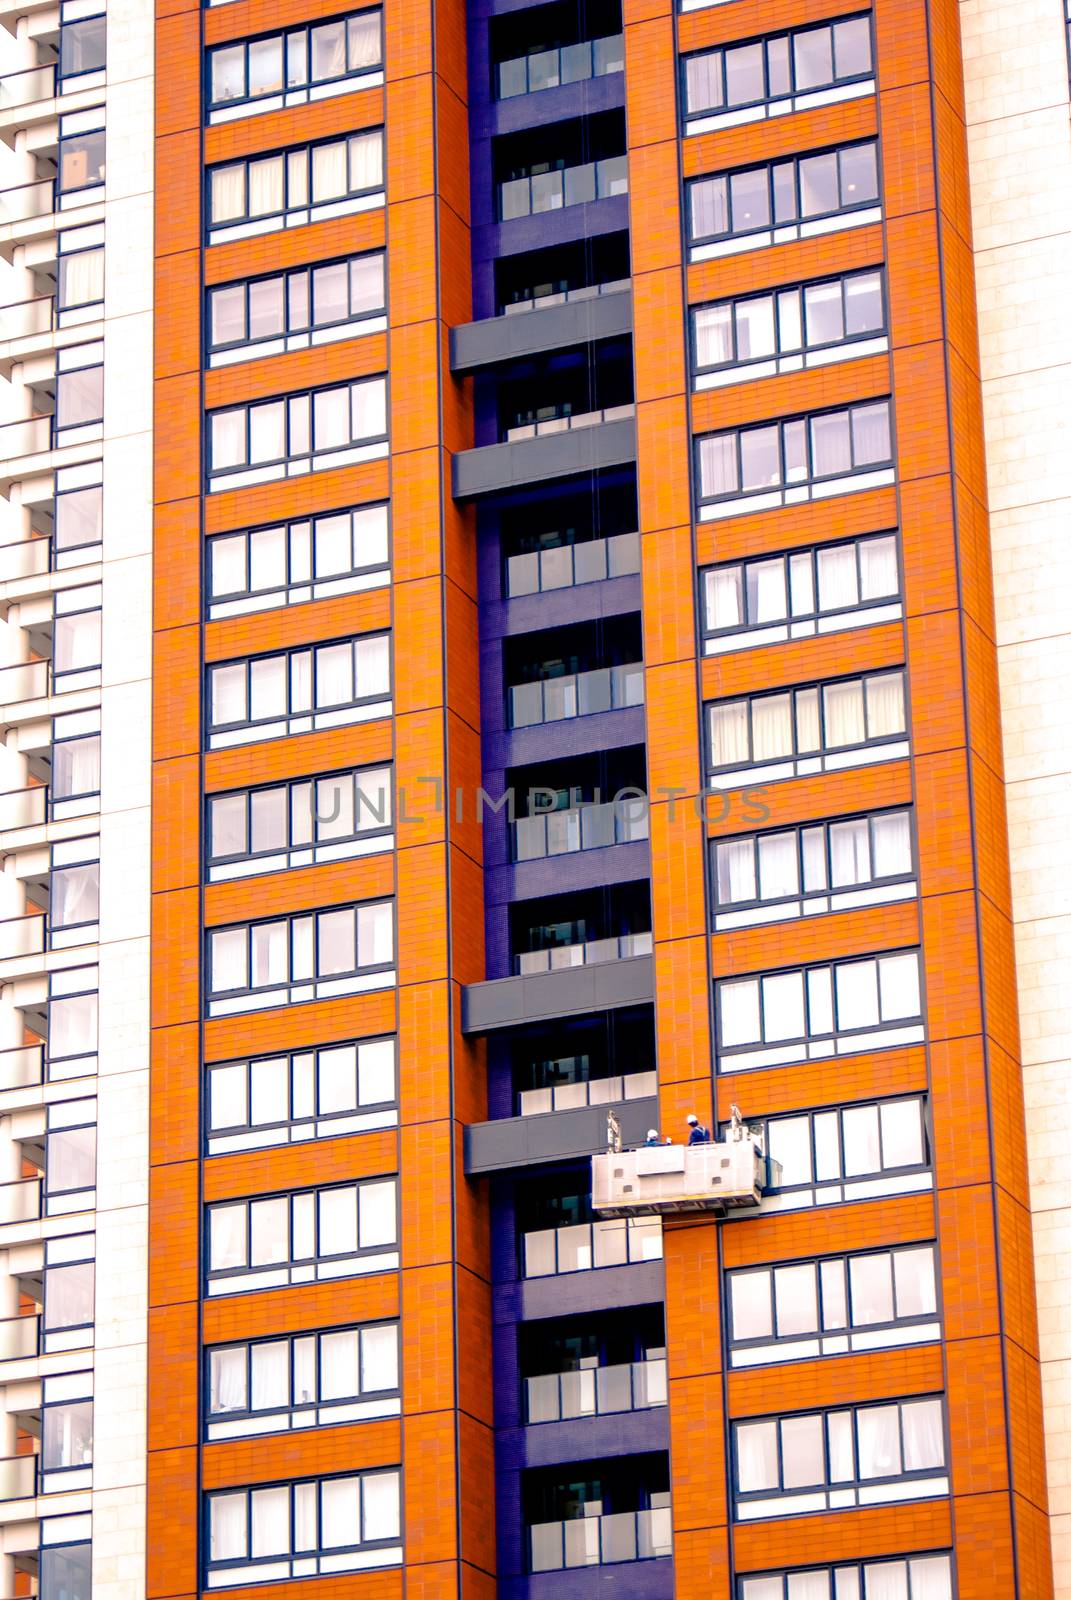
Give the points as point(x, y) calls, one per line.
point(1016, 74)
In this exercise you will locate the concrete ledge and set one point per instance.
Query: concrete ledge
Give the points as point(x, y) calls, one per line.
point(495, 467)
point(525, 333)
point(508, 1002)
point(556, 1136)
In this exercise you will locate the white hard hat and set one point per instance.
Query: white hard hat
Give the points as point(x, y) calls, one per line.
point(652, 1133)
point(692, 1117)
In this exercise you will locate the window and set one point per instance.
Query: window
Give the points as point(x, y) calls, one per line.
point(285, 438)
point(72, 1022)
point(65, 1572)
point(829, 1460)
point(81, 273)
point(291, 68)
point(829, 1307)
point(75, 784)
point(795, 596)
point(320, 1525)
point(811, 1013)
point(79, 388)
point(70, 1156)
point(324, 686)
point(68, 1291)
point(828, 866)
point(785, 330)
point(76, 637)
point(336, 1089)
point(315, 956)
point(79, 515)
point(296, 186)
point(66, 1432)
point(794, 199)
point(849, 722)
point(569, 63)
point(309, 1379)
point(294, 824)
point(339, 552)
point(81, 154)
point(785, 463)
point(74, 892)
point(846, 1153)
point(581, 1246)
point(786, 72)
point(340, 1232)
point(906, 1578)
point(83, 48)
point(293, 310)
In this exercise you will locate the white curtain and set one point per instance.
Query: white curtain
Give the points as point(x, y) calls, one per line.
point(901, 1133)
point(834, 1295)
point(825, 313)
point(270, 1099)
point(843, 709)
point(75, 895)
point(227, 1096)
point(862, 1148)
point(379, 1358)
point(331, 419)
point(841, 1447)
point(819, 1002)
point(270, 954)
point(306, 1530)
point(381, 1506)
point(878, 568)
point(329, 171)
point(802, 1452)
point(782, 1007)
point(796, 1297)
point(226, 1237)
point(736, 871)
point(857, 994)
point(267, 815)
point(72, 1025)
point(809, 1586)
point(227, 1527)
point(267, 558)
point(269, 1232)
point(878, 1431)
point(756, 1456)
point(227, 1380)
point(762, 1589)
point(340, 1513)
point(265, 186)
point(365, 46)
point(369, 408)
point(931, 1578)
point(899, 982)
point(717, 465)
point(334, 675)
point(377, 1073)
point(724, 595)
point(328, 54)
point(228, 192)
point(924, 1445)
point(337, 950)
point(760, 458)
point(714, 335)
point(870, 434)
point(338, 1221)
point(267, 432)
point(227, 565)
point(872, 1289)
point(334, 545)
point(808, 728)
point(366, 161)
point(703, 79)
point(830, 445)
point(814, 860)
point(755, 331)
point(375, 934)
point(849, 853)
point(767, 600)
point(378, 1214)
point(301, 681)
point(228, 439)
point(270, 1521)
point(370, 537)
point(778, 866)
point(303, 1227)
point(750, 1304)
point(372, 803)
point(739, 1012)
point(228, 961)
point(372, 660)
point(339, 1365)
point(303, 1355)
point(788, 1140)
point(887, 1580)
point(271, 1375)
point(771, 727)
point(266, 66)
point(709, 200)
point(892, 844)
point(838, 587)
point(916, 1288)
point(337, 1080)
point(81, 278)
point(885, 705)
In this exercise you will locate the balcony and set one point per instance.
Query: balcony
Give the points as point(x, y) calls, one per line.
point(571, 63)
point(25, 558)
point(662, 1179)
point(18, 1478)
point(591, 1092)
point(564, 186)
point(510, 1002)
point(551, 321)
point(588, 1246)
point(556, 419)
point(22, 936)
point(601, 1540)
point(589, 953)
point(21, 1067)
point(595, 1391)
point(576, 694)
point(560, 453)
point(19, 1340)
point(20, 1201)
point(577, 1129)
point(567, 566)
point(590, 827)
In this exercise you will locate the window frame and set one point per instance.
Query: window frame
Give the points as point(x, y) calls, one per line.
point(298, 1414)
point(841, 1487)
point(296, 991)
point(734, 913)
point(221, 354)
point(293, 1563)
point(73, 1335)
point(736, 369)
point(65, 80)
point(62, 935)
point(799, 99)
point(64, 193)
point(251, 1135)
point(314, 851)
point(85, 1060)
point(819, 1191)
point(732, 241)
point(836, 1341)
point(80, 1197)
point(294, 461)
point(273, 221)
point(789, 490)
point(859, 1568)
point(820, 1046)
point(290, 720)
point(252, 1279)
point(797, 624)
point(297, 590)
point(298, 93)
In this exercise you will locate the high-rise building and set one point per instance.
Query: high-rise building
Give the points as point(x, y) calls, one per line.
point(534, 585)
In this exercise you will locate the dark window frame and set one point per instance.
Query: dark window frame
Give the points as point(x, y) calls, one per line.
point(806, 422)
point(798, 217)
point(289, 656)
point(736, 362)
point(315, 1051)
point(309, 325)
point(291, 919)
point(823, 749)
point(286, 155)
point(812, 552)
point(359, 1252)
point(285, 36)
point(789, 36)
point(919, 1168)
point(293, 1407)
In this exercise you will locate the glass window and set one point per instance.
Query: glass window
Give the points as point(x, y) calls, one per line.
point(81, 278)
point(67, 1436)
point(65, 1572)
point(803, 188)
point(81, 161)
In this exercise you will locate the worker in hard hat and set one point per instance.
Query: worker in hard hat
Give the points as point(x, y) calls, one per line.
point(697, 1134)
point(652, 1136)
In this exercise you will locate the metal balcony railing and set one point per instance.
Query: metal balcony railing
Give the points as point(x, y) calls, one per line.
point(28, 200)
point(591, 827)
point(23, 808)
point(595, 1391)
point(22, 936)
point(21, 1067)
point(592, 953)
point(20, 1201)
point(18, 1477)
point(25, 680)
point(583, 1246)
point(587, 291)
point(575, 694)
point(565, 186)
point(597, 1541)
point(27, 317)
point(25, 558)
point(570, 63)
point(589, 1092)
point(19, 1339)
point(23, 88)
point(555, 421)
point(30, 437)
point(566, 566)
